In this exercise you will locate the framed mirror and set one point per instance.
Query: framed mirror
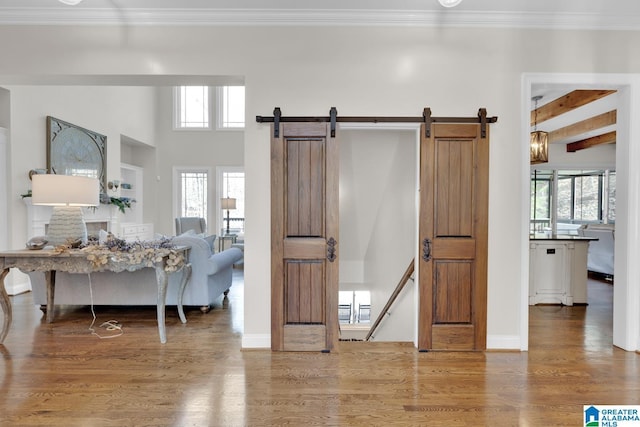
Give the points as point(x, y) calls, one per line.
point(73, 150)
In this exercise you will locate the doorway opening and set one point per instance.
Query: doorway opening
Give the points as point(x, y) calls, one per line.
point(378, 188)
point(626, 290)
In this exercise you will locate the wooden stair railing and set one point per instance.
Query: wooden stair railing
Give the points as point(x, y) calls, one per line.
point(405, 278)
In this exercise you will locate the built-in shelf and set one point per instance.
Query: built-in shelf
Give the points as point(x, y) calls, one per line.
point(132, 175)
point(131, 225)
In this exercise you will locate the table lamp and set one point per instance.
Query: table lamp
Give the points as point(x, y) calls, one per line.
point(228, 203)
point(67, 194)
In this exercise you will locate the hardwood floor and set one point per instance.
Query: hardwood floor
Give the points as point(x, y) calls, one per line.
point(60, 375)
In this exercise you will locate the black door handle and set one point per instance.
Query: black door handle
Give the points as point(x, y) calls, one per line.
point(426, 250)
point(331, 249)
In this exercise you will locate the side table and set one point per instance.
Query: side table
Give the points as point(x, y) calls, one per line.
point(221, 239)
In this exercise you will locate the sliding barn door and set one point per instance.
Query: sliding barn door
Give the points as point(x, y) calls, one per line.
point(453, 237)
point(304, 238)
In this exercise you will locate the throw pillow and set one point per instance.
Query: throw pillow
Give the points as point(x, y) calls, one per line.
point(211, 240)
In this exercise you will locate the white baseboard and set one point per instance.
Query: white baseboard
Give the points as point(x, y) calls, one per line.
point(250, 341)
point(503, 342)
point(494, 342)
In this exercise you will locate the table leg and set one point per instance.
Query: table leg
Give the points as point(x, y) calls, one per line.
point(162, 279)
point(50, 277)
point(186, 275)
point(5, 303)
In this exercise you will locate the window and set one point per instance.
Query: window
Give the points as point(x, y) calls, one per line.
point(191, 107)
point(582, 197)
point(354, 306)
point(541, 186)
point(231, 184)
point(230, 107)
point(610, 189)
point(192, 193)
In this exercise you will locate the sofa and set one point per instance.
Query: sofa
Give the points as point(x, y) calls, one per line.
point(210, 279)
point(601, 254)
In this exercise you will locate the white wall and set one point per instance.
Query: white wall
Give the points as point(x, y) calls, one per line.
point(394, 71)
point(5, 218)
point(110, 111)
point(393, 239)
point(199, 148)
point(4, 193)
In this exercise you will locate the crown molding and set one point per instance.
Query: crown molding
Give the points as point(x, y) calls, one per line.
point(315, 17)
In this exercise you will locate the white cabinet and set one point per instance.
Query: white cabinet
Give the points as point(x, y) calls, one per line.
point(558, 271)
point(134, 231)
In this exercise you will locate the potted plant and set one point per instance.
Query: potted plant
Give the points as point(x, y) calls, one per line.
point(121, 202)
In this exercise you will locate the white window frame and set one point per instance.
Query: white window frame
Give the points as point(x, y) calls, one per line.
point(177, 173)
point(221, 109)
point(220, 170)
point(177, 102)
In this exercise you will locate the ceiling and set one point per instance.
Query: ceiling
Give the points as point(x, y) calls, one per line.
point(580, 117)
point(557, 14)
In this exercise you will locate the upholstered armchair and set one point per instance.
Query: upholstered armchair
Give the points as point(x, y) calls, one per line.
point(185, 223)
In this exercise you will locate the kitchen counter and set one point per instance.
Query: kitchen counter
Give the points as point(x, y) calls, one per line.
point(560, 237)
point(558, 269)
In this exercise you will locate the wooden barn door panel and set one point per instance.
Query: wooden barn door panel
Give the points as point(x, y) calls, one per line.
point(304, 216)
point(453, 234)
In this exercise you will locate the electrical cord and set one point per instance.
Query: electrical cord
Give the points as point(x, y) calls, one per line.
point(110, 325)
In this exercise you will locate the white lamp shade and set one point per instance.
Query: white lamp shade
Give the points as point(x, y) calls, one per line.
point(228, 203)
point(65, 190)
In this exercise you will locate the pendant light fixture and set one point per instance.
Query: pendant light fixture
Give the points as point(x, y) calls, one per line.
point(70, 2)
point(539, 140)
point(449, 3)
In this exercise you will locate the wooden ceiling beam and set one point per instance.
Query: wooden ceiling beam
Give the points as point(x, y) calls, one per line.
point(606, 138)
point(566, 103)
point(596, 122)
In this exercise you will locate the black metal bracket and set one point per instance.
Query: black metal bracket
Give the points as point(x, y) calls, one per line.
point(426, 115)
point(333, 116)
point(482, 115)
point(276, 122)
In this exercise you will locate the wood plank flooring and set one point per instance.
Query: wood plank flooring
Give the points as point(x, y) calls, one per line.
point(60, 375)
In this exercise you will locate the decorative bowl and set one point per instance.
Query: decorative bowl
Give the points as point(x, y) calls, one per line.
point(36, 243)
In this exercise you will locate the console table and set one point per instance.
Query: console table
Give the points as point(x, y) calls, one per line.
point(77, 261)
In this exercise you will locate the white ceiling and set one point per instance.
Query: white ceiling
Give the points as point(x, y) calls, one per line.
point(574, 14)
point(556, 14)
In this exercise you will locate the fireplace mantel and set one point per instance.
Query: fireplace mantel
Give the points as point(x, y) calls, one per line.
point(102, 217)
